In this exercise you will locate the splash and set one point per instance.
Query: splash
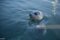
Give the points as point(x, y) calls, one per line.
point(54, 4)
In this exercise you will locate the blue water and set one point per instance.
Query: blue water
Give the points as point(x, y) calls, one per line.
point(14, 23)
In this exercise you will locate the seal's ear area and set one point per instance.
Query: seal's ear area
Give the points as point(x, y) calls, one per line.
point(41, 13)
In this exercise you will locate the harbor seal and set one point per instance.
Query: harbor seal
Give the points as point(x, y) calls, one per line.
point(38, 20)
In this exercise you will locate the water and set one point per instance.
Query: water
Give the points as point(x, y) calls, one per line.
point(14, 23)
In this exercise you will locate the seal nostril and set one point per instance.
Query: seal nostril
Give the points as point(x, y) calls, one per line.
point(30, 15)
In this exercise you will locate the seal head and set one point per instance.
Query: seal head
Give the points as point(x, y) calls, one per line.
point(35, 16)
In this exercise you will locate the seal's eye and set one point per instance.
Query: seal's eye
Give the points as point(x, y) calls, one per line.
point(35, 13)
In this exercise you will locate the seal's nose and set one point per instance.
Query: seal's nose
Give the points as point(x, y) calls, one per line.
point(30, 15)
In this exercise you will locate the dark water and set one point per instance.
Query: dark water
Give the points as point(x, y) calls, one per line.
point(14, 23)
